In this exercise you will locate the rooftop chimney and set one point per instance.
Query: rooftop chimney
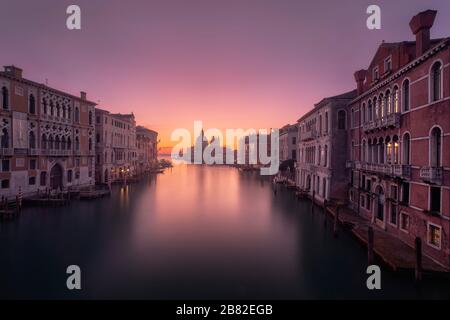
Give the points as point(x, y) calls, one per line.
point(420, 26)
point(360, 76)
point(13, 71)
point(83, 95)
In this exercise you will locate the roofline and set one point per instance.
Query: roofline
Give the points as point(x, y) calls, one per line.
point(45, 87)
point(427, 54)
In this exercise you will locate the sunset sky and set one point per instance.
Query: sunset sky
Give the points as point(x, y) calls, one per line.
point(230, 63)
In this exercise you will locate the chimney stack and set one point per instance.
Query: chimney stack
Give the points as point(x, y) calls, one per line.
point(14, 71)
point(83, 95)
point(420, 26)
point(360, 77)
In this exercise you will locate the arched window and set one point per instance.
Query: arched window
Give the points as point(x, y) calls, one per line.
point(32, 104)
point(57, 143)
point(77, 143)
point(326, 122)
point(326, 156)
point(436, 81)
point(32, 140)
point(382, 107)
point(406, 149)
point(50, 142)
point(5, 138)
point(69, 144)
point(77, 114)
point(435, 147)
point(405, 96)
point(363, 151)
point(52, 108)
point(395, 150)
point(44, 142)
point(369, 110)
point(363, 113)
point(381, 147)
point(395, 99)
point(388, 103)
point(44, 102)
point(389, 150)
point(90, 144)
point(377, 108)
point(63, 143)
point(319, 156)
point(5, 98)
point(69, 113)
point(58, 110)
point(90, 118)
point(341, 120)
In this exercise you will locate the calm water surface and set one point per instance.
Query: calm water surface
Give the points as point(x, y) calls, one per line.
point(193, 232)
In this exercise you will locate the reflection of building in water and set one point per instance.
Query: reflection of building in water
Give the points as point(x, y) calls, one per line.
point(47, 136)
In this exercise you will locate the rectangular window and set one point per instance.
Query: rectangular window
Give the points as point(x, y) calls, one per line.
point(5, 184)
point(5, 165)
point(368, 202)
point(405, 193)
point(32, 181)
point(375, 74)
point(404, 222)
point(394, 192)
point(434, 235)
point(388, 64)
point(435, 199)
point(33, 164)
point(393, 213)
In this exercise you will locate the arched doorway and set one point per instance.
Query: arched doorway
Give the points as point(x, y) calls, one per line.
point(56, 175)
point(106, 176)
point(380, 200)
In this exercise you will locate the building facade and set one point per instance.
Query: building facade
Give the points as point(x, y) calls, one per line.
point(47, 137)
point(322, 134)
point(288, 143)
point(399, 138)
point(147, 148)
point(116, 151)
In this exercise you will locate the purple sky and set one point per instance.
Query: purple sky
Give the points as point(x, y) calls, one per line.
point(230, 63)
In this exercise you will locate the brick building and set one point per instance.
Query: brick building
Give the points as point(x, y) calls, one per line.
point(115, 145)
point(47, 137)
point(322, 134)
point(399, 140)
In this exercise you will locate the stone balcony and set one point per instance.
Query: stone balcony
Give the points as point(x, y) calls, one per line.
point(34, 152)
point(431, 174)
point(390, 121)
point(6, 151)
point(395, 170)
point(309, 135)
point(55, 152)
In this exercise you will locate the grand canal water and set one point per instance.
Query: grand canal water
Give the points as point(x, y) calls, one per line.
point(193, 232)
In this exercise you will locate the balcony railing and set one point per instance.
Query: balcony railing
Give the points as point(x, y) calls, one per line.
point(55, 152)
point(6, 151)
point(308, 135)
point(398, 170)
point(431, 174)
point(390, 121)
point(34, 152)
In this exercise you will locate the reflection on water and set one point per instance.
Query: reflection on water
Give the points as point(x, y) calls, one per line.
point(193, 232)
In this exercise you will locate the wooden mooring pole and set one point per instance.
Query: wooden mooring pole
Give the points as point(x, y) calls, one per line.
point(370, 246)
point(418, 273)
point(336, 221)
